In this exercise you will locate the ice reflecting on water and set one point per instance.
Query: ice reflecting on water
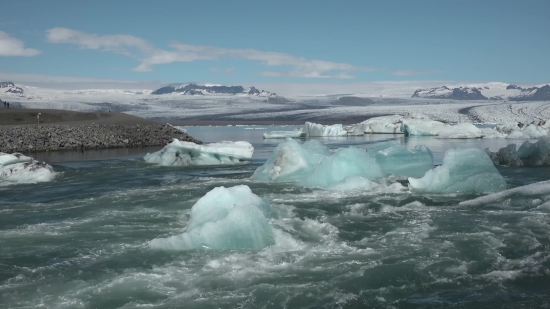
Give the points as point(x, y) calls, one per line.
point(82, 240)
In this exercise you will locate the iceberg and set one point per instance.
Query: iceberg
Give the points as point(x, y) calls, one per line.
point(315, 129)
point(528, 154)
point(313, 165)
point(284, 134)
point(466, 170)
point(224, 219)
point(420, 127)
point(397, 160)
point(292, 161)
point(492, 133)
point(383, 124)
point(179, 153)
point(528, 132)
point(17, 168)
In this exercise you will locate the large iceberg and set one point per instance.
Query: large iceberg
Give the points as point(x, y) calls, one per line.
point(224, 219)
point(315, 129)
point(466, 170)
point(312, 164)
point(528, 154)
point(179, 153)
point(383, 124)
point(397, 160)
point(292, 161)
point(17, 168)
point(420, 127)
point(284, 134)
point(529, 132)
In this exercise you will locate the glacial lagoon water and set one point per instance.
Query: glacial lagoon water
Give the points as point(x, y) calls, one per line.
point(81, 241)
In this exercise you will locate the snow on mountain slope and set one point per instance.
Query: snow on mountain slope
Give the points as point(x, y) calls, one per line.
point(490, 91)
point(211, 89)
point(10, 88)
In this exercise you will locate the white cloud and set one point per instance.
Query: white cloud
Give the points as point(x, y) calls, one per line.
point(10, 46)
point(150, 56)
point(412, 72)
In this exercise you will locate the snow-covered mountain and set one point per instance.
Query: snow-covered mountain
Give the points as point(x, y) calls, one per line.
point(208, 89)
point(9, 87)
point(490, 91)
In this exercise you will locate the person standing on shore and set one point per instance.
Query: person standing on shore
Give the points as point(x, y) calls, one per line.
point(8, 103)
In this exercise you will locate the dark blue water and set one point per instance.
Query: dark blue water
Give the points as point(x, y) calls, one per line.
point(81, 240)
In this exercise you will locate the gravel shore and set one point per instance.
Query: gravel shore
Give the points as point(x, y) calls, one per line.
point(83, 131)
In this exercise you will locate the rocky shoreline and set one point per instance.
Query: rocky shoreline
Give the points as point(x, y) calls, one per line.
point(55, 137)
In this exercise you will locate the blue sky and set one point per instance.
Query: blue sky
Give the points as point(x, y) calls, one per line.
point(280, 41)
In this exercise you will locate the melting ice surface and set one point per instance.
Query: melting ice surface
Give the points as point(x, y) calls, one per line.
point(284, 134)
point(225, 218)
point(316, 130)
point(464, 170)
point(312, 164)
point(17, 168)
point(528, 154)
point(179, 153)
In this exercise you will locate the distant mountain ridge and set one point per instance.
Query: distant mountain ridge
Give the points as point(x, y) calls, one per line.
point(9, 87)
point(490, 91)
point(197, 89)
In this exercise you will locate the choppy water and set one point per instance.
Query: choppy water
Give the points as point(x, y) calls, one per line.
point(80, 241)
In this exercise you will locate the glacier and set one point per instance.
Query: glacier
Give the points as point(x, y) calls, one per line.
point(315, 130)
point(464, 170)
point(394, 159)
point(224, 219)
point(180, 153)
point(284, 134)
point(17, 168)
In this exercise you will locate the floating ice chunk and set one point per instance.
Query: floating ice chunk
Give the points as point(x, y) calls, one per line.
point(461, 130)
point(535, 195)
point(312, 164)
point(224, 219)
point(467, 170)
point(315, 129)
point(528, 154)
point(292, 161)
point(345, 162)
point(492, 133)
point(420, 127)
point(516, 134)
point(12, 158)
point(16, 168)
point(383, 124)
point(397, 160)
point(507, 128)
point(364, 184)
point(284, 134)
point(179, 153)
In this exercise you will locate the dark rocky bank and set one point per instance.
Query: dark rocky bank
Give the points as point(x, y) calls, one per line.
point(35, 138)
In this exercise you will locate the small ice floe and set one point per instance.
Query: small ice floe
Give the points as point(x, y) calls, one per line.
point(179, 153)
point(16, 168)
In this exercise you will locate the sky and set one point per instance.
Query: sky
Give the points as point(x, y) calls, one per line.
point(292, 42)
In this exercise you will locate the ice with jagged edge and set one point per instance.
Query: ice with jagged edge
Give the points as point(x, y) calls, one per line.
point(528, 154)
point(394, 159)
point(224, 219)
point(17, 168)
point(382, 125)
point(300, 133)
point(530, 131)
point(315, 130)
point(312, 164)
point(533, 196)
point(180, 153)
point(464, 170)
point(421, 127)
